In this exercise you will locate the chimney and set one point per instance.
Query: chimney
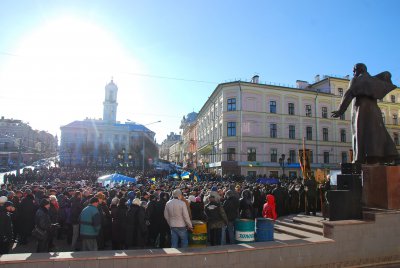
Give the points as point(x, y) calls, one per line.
point(347, 77)
point(302, 84)
point(255, 79)
point(317, 78)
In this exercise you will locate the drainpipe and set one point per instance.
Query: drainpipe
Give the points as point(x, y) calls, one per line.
point(316, 127)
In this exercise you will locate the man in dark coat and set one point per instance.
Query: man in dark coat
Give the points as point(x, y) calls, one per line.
point(76, 209)
point(231, 207)
point(43, 223)
point(26, 215)
point(371, 141)
point(310, 186)
point(6, 227)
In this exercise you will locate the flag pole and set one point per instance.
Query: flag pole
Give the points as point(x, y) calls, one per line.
point(304, 159)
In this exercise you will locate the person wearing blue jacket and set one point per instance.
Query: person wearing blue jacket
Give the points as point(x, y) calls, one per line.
point(90, 224)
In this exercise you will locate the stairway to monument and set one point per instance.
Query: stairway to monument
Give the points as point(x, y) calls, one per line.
point(301, 226)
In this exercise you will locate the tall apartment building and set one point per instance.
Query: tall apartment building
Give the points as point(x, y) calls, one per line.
point(246, 127)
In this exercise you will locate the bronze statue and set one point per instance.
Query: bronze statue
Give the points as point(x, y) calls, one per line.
point(371, 141)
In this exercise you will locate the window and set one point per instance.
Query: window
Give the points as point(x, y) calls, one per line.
point(383, 118)
point(291, 108)
point(292, 156)
point(396, 138)
point(342, 116)
point(292, 132)
point(292, 174)
point(340, 90)
point(324, 112)
point(273, 174)
point(232, 104)
point(272, 107)
point(252, 173)
point(231, 128)
point(311, 157)
point(251, 154)
point(273, 131)
point(325, 134)
point(326, 157)
point(343, 135)
point(308, 110)
point(231, 154)
point(393, 98)
point(309, 133)
point(344, 157)
point(274, 155)
point(395, 121)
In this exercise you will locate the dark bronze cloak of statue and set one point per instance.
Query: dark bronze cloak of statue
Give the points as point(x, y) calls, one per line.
point(371, 141)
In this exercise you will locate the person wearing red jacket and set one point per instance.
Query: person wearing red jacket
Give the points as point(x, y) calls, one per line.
point(269, 210)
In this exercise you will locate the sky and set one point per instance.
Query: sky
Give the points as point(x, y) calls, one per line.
point(167, 57)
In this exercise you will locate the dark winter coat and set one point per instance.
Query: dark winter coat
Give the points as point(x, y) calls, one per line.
point(26, 214)
point(136, 230)
point(197, 209)
point(246, 205)
point(231, 207)
point(120, 223)
point(76, 209)
point(216, 217)
point(6, 228)
point(42, 220)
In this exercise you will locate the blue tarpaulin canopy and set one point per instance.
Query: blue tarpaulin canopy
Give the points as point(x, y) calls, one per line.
point(268, 180)
point(113, 178)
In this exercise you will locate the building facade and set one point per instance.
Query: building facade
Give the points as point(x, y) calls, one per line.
point(19, 142)
point(189, 140)
point(171, 139)
point(249, 128)
point(107, 142)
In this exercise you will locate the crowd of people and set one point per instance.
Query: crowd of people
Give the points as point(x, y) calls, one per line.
point(54, 204)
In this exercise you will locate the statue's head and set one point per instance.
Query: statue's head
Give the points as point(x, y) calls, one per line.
point(359, 68)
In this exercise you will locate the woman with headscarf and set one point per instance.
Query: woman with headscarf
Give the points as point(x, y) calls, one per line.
point(269, 209)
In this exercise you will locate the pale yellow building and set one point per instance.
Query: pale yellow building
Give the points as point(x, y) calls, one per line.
point(245, 127)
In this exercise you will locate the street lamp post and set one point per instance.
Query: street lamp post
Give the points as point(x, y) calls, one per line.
point(283, 164)
point(143, 145)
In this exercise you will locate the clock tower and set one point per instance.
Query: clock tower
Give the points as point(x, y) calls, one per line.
point(110, 103)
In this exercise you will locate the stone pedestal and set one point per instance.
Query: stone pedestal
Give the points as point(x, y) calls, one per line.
point(381, 186)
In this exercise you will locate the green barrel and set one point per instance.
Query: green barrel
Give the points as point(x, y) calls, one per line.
point(244, 231)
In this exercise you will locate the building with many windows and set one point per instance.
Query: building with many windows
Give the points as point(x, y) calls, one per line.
point(250, 128)
point(189, 140)
point(107, 142)
point(165, 146)
point(19, 142)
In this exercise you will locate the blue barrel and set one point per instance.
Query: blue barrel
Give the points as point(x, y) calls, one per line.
point(264, 230)
point(244, 231)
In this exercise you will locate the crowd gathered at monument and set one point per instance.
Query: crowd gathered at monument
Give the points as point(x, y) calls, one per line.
point(53, 205)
